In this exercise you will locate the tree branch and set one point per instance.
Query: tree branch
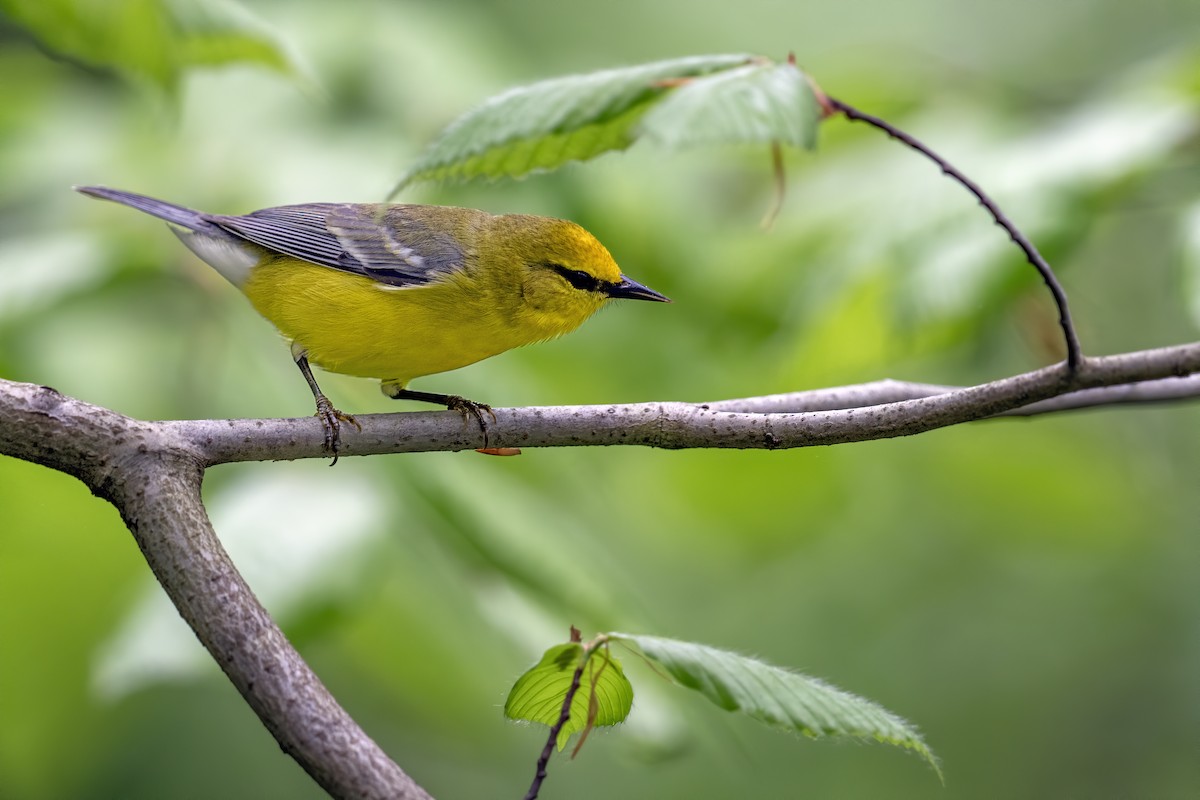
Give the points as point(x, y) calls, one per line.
point(153, 478)
point(1074, 352)
point(152, 471)
point(847, 414)
point(1163, 390)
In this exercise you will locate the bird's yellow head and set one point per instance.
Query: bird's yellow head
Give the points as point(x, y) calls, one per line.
point(563, 273)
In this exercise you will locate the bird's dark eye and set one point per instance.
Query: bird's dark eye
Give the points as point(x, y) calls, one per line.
point(578, 278)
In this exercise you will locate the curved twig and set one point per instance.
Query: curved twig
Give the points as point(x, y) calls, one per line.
point(1074, 352)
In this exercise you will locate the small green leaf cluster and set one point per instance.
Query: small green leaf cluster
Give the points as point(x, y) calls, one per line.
point(603, 696)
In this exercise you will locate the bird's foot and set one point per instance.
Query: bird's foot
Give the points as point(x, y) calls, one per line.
point(471, 409)
point(331, 420)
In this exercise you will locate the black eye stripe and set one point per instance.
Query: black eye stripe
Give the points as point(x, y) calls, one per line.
point(579, 279)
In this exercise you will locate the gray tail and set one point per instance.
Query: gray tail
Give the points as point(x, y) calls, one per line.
point(176, 215)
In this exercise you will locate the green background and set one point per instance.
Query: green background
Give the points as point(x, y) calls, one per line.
point(1023, 591)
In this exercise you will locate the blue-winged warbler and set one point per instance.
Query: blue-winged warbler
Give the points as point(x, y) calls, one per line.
point(400, 291)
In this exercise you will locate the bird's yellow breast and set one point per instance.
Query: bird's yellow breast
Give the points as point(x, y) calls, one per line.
point(353, 325)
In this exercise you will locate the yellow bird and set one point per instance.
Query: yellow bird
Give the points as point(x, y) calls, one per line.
point(400, 291)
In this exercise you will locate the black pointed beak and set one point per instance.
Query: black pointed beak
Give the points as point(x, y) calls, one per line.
point(629, 289)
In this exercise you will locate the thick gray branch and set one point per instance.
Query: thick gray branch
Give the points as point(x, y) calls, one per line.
point(151, 471)
point(878, 410)
point(153, 478)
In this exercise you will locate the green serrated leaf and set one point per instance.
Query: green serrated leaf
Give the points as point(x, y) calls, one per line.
point(776, 696)
point(538, 695)
point(757, 102)
point(547, 124)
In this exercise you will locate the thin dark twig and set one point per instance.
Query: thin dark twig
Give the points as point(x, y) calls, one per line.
point(563, 716)
point(1074, 352)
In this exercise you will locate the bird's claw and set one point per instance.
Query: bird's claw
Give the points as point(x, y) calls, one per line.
point(469, 409)
point(331, 420)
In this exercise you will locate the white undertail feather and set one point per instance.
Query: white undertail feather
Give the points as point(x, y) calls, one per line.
point(225, 253)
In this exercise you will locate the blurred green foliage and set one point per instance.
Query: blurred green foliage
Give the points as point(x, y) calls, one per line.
point(1024, 591)
point(152, 40)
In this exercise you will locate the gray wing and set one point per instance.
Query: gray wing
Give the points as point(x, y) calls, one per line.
point(396, 248)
